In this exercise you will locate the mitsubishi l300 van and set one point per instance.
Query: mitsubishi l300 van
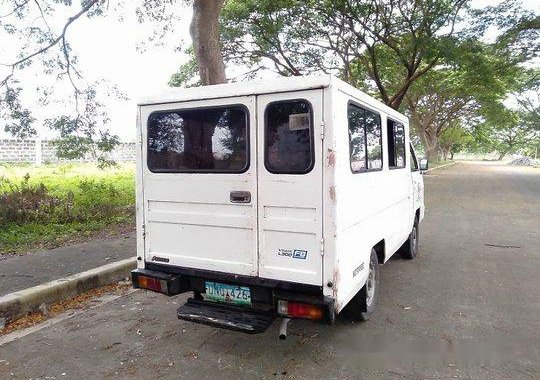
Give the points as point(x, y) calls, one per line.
point(275, 198)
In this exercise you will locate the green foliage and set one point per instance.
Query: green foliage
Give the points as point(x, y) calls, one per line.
point(519, 29)
point(506, 131)
point(20, 203)
point(474, 81)
point(528, 100)
point(40, 205)
point(428, 53)
point(39, 32)
point(187, 75)
point(19, 119)
point(83, 134)
point(358, 40)
point(454, 139)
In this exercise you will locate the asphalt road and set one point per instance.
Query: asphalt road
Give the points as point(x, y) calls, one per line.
point(18, 272)
point(468, 308)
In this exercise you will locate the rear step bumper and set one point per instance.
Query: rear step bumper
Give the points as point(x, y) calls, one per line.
point(226, 316)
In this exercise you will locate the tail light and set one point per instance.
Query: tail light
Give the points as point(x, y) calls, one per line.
point(165, 283)
point(153, 284)
point(294, 309)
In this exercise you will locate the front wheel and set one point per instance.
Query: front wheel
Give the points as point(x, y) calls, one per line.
point(361, 307)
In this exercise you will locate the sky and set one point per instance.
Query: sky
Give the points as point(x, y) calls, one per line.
point(107, 50)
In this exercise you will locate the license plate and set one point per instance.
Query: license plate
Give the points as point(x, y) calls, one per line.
point(238, 295)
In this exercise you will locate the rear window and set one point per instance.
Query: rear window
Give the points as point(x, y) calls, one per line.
point(203, 140)
point(289, 137)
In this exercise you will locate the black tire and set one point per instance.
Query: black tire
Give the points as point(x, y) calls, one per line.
point(361, 307)
point(409, 249)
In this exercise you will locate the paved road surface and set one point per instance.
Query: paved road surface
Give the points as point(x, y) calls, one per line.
point(465, 309)
point(21, 272)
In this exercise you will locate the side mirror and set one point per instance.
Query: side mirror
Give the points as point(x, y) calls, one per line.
point(423, 164)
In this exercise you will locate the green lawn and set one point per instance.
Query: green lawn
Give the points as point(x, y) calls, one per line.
point(48, 205)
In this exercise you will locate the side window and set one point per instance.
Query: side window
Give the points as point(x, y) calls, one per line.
point(373, 141)
point(201, 140)
point(289, 137)
point(357, 138)
point(365, 139)
point(414, 160)
point(396, 144)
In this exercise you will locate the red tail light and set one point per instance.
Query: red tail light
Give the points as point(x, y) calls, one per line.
point(150, 283)
point(299, 310)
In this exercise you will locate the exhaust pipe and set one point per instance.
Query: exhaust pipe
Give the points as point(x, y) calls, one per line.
point(283, 328)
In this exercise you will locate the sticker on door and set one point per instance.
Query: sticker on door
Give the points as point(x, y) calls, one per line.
point(294, 253)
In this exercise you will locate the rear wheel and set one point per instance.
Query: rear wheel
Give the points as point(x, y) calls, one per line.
point(409, 250)
point(362, 305)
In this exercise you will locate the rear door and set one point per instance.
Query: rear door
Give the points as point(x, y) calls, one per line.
point(290, 186)
point(200, 184)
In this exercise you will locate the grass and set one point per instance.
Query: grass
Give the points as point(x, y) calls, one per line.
point(46, 206)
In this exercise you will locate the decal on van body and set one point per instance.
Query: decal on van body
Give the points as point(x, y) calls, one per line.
point(299, 121)
point(299, 254)
point(160, 259)
point(294, 253)
point(358, 269)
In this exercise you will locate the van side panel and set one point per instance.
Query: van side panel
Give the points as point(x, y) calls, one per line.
point(371, 206)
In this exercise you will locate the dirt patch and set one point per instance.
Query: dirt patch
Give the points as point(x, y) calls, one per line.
point(80, 301)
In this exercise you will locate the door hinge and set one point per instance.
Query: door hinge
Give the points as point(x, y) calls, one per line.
point(322, 130)
point(322, 246)
point(143, 227)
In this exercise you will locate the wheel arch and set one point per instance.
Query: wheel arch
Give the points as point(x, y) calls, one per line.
point(380, 250)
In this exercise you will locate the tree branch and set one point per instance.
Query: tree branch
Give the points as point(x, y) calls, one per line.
point(18, 6)
point(52, 43)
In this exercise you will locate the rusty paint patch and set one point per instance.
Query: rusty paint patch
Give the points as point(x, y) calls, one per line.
point(335, 278)
point(332, 192)
point(331, 157)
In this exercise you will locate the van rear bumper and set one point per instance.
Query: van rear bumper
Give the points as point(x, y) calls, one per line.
point(265, 294)
point(225, 316)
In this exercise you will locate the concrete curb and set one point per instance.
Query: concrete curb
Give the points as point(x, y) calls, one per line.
point(442, 166)
point(18, 304)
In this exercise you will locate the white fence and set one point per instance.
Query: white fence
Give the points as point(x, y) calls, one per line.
point(39, 152)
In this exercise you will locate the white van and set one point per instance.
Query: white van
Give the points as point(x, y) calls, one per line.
point(273, 198)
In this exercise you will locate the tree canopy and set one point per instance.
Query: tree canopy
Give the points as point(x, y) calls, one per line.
point(427, 58)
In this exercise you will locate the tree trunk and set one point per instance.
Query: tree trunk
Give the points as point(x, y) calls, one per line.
point(431, 144)
point(204, 30)
point(503, 153)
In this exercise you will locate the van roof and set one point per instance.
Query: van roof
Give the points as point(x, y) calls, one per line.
point(264, 86)
point(226, 90)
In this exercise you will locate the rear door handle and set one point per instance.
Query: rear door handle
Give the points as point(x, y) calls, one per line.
point(240, 197)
